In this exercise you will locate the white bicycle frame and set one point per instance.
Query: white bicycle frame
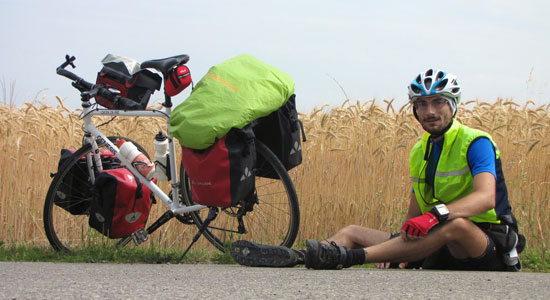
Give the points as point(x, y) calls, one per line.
point(92, 131)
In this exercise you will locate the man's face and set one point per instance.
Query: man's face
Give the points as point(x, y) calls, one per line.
point(434, 114)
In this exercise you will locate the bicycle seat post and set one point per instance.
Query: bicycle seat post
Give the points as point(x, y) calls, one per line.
point(167, 101)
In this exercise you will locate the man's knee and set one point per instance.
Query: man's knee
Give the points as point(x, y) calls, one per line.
point(458, 229)
point(464, 239)
point(349, 231)
point(355, 236)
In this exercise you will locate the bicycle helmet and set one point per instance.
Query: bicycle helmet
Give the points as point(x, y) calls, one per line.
point(435, 82)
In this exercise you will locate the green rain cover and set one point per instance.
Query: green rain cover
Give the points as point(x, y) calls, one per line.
point(232, 94)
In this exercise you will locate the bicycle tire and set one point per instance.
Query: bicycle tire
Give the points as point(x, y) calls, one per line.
point(64, 230)
point(274, 220)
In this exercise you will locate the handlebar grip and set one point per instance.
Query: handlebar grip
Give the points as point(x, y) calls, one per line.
point(67, 74)
point(77, 79)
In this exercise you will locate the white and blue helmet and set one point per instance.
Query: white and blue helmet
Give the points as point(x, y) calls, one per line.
point(435, 82)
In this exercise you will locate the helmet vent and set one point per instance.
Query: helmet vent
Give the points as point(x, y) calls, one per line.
point(418, 80)
point(428, 83)
point(441, 85)
point(455, 90)
point(415, 89)
point(439, 76)
point(429, 72)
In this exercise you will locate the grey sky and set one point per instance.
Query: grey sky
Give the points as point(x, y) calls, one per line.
point(371, 48)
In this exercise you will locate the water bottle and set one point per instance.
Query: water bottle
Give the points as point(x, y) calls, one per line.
point(161, 157)
point(138, 159)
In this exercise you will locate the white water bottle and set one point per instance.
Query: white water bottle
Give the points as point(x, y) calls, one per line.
point(161, 157)
point(138, 159)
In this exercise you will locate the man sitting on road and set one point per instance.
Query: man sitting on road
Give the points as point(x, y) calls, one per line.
point(459, 217)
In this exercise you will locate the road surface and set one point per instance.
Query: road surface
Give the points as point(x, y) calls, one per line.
point(25, 280)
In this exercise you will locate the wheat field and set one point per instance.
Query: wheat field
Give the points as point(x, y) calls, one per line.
point(355, 168)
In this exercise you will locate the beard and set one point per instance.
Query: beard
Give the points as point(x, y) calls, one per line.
point(436, 131)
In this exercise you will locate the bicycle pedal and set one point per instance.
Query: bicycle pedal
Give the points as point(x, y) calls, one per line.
point(140, 236)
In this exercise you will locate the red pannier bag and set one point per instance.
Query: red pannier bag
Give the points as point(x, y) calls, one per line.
point(223, 174)
point(75, 191)
point(121, 203)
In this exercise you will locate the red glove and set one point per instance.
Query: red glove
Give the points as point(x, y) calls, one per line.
point(421, 225)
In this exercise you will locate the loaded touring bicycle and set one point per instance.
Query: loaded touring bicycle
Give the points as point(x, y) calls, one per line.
point(98, 196)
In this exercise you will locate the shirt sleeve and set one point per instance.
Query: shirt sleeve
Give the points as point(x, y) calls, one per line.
point(481, 157)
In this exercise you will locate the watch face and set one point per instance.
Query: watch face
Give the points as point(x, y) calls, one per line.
point(442, 209)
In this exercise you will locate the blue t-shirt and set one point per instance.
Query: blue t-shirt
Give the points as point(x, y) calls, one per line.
point(481, 158)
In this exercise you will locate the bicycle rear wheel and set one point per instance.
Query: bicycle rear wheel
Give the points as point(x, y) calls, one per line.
point(274, 220)
point(65, 230)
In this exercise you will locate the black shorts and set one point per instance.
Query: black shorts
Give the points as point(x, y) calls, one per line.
point(442, 259)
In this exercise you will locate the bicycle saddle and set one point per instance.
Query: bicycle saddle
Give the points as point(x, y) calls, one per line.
point(164, 64)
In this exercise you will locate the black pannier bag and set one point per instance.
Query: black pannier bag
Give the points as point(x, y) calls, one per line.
point(137, 85)
point(222, 175)
point(121, 203)
point(282, 132)
point(75, 191)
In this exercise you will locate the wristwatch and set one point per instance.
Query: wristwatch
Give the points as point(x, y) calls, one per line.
point(441, 212)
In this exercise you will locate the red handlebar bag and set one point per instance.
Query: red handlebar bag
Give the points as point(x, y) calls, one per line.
point(137, 85)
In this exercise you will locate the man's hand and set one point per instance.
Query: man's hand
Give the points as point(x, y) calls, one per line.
point(421, 225)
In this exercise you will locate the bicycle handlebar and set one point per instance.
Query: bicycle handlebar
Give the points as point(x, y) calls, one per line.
point(87, 89)
point(65, 73)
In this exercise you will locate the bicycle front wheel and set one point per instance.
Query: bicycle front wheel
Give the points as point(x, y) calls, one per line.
point(274, 220)
point(67, 205)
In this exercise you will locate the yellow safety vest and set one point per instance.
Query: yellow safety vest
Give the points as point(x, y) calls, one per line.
point(453, 179)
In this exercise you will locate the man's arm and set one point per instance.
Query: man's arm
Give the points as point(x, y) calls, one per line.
point(414, 209)
point(481, 158)
point(479, 201)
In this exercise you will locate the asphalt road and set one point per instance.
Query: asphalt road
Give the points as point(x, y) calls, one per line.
point(203, 281)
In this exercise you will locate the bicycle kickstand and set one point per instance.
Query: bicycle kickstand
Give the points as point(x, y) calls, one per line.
point(212, 214)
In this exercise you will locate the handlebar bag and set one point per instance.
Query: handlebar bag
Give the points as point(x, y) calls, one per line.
point(121, 203)
point(124, 75)
point(222, 175)
point(231, 95)
point(75, 191)
point(280, 132)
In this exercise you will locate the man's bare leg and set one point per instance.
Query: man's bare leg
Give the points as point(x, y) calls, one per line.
point(463, 238)
point(355, 237)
